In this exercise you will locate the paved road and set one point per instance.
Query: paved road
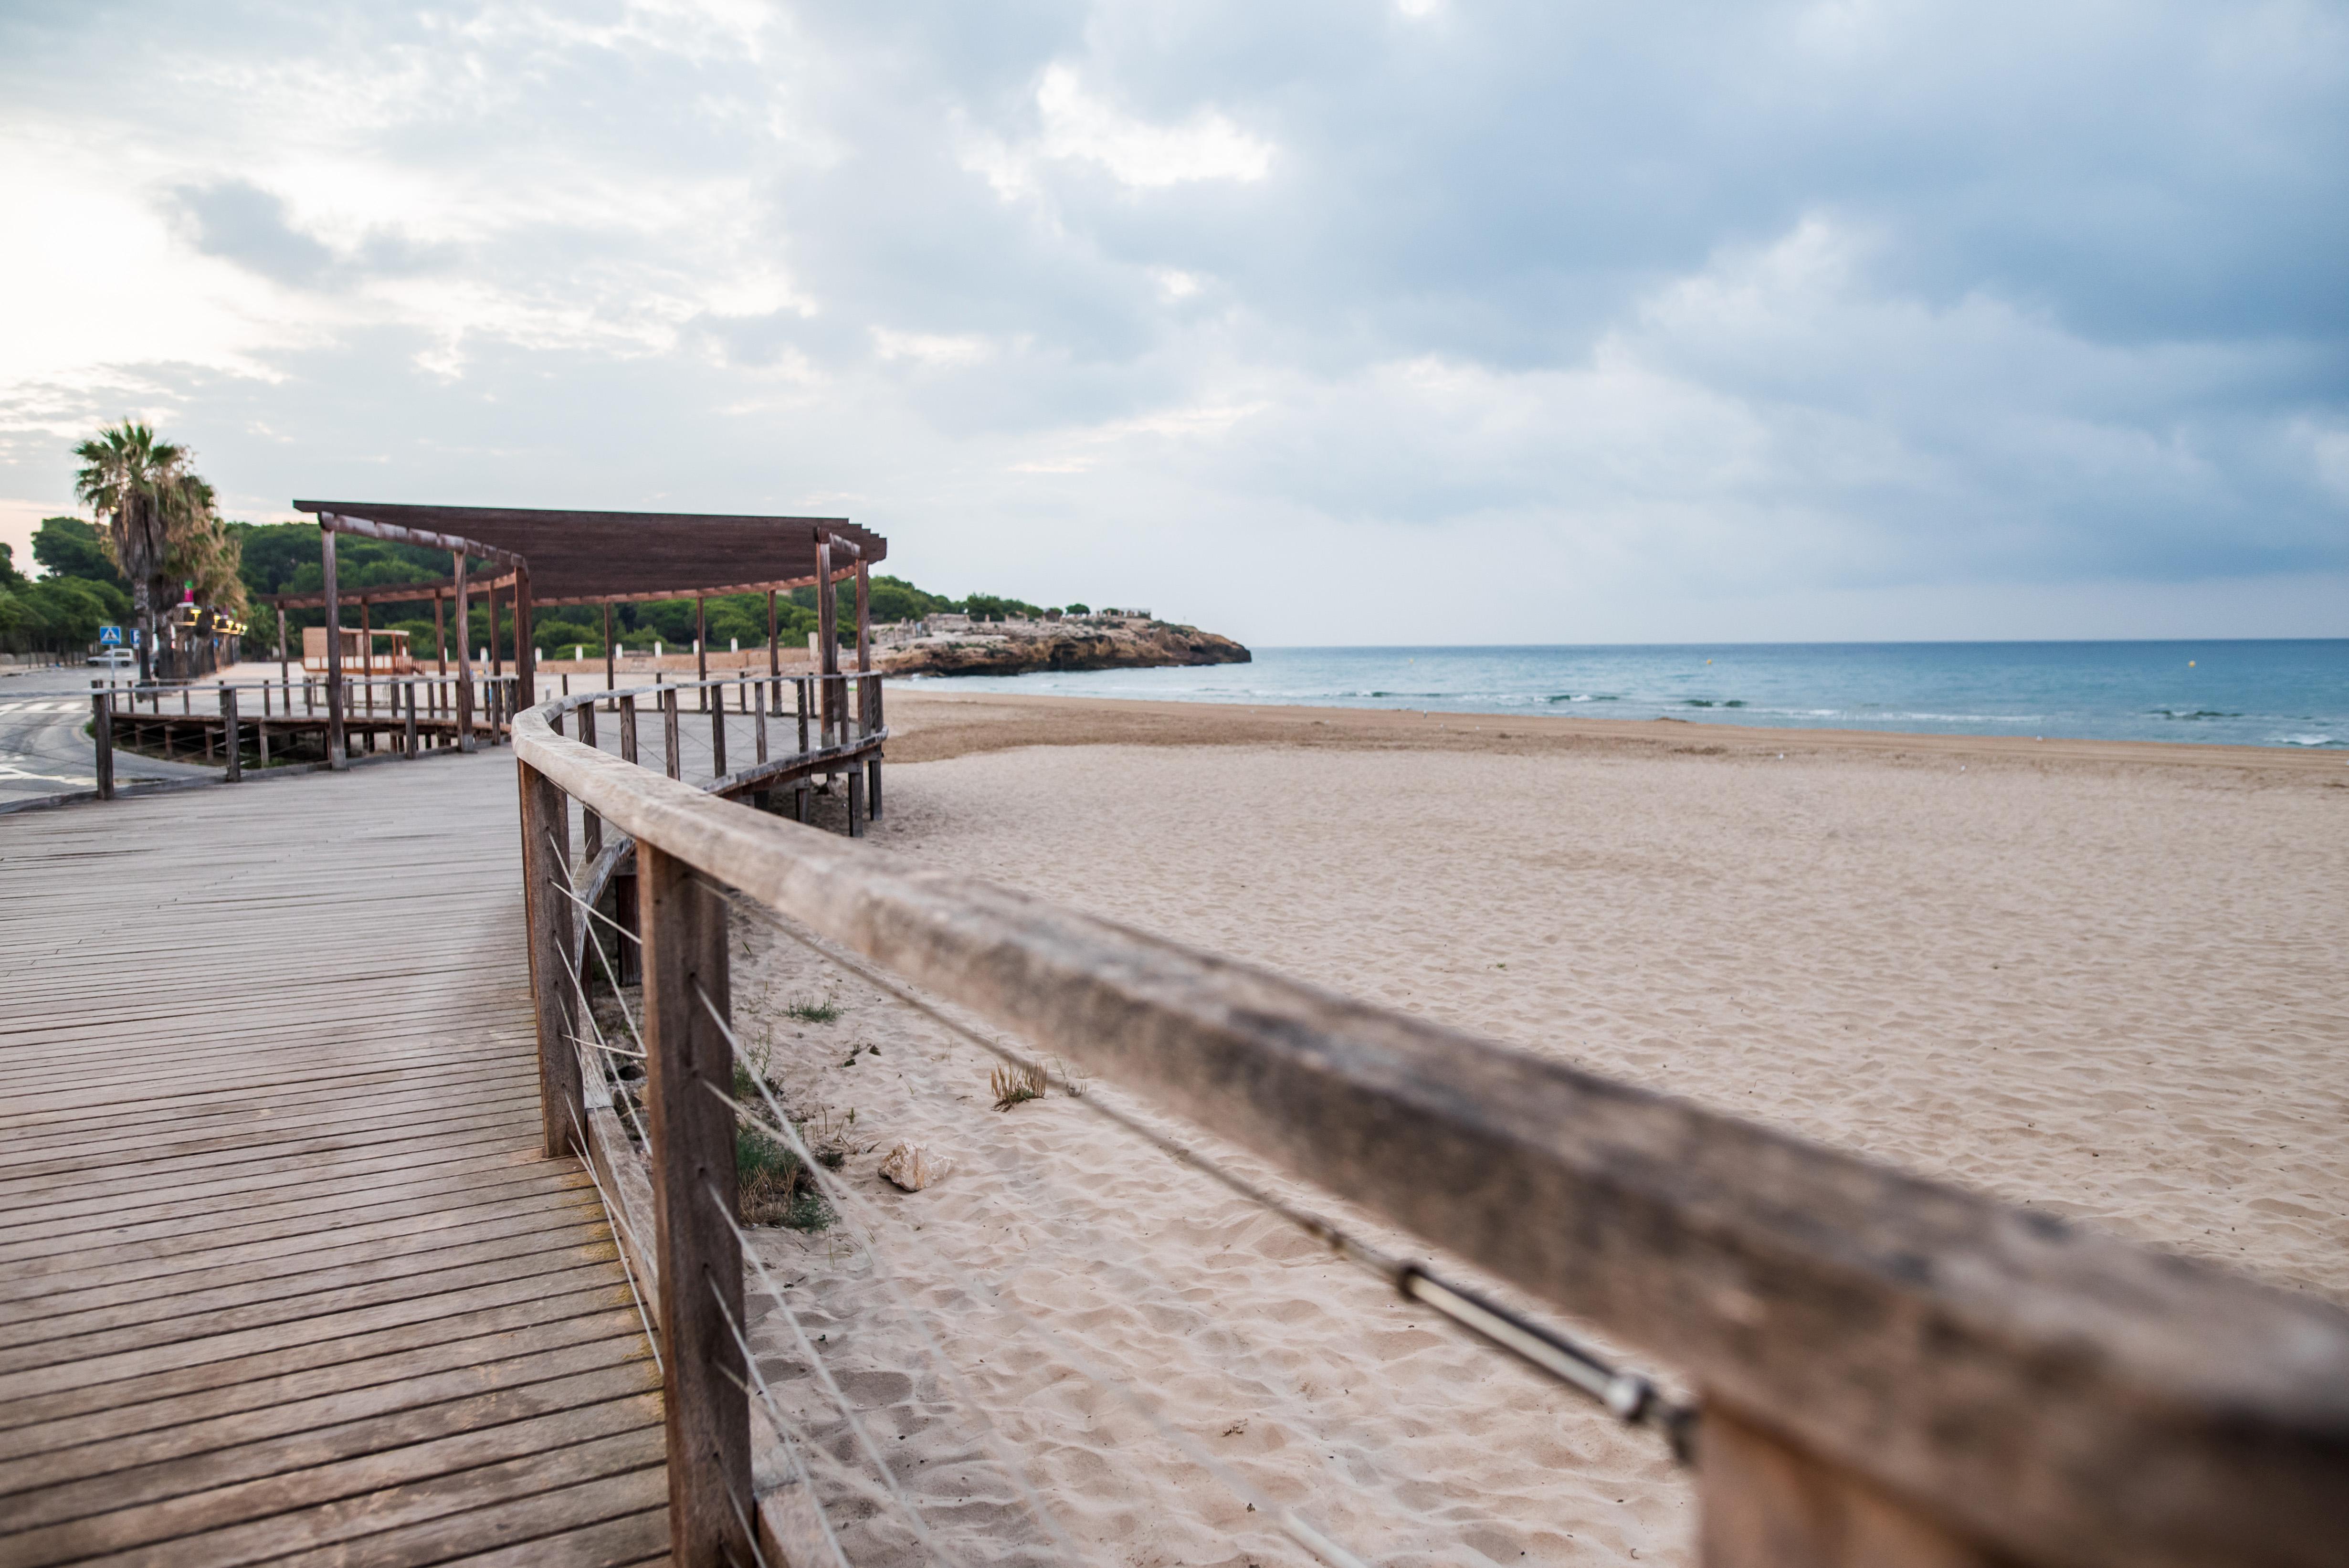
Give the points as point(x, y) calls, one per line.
point(44, 749)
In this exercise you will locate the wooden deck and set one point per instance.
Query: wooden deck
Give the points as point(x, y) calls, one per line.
point(282, 1274)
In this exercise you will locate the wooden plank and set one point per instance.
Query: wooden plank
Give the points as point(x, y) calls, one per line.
point(174, 1474)
point(488, 1263)
point(142, 1175)
point(170, 1242)
point(336, 1323)
point(1905, 1331)
point(95, 1143)
point(271, 1187)
point(320, 1238)
point(151, 1396)
point(334, 1504)
point(196, 1109)
point(622, 1543)
point(304, 1273)
point(246, 1430)
point(603, 1522)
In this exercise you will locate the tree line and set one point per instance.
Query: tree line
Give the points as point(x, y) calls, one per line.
point(159, 517)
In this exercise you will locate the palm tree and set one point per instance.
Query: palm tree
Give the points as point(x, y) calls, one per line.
point(143, 487)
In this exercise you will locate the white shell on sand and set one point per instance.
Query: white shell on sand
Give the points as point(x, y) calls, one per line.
point(912, 1167)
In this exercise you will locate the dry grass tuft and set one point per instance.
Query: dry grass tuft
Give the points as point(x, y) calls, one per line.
point(1014, 1084)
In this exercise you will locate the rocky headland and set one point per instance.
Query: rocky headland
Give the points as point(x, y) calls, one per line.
point(952, 645)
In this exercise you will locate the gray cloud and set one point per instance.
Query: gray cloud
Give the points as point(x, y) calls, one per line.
point(242, 223)
point(1771, 303)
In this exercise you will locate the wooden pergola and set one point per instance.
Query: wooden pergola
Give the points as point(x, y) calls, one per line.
point(605, 558)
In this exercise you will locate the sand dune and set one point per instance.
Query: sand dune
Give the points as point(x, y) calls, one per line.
point(2101, 980)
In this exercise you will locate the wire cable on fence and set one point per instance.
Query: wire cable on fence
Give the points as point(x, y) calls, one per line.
point(1632, 1398)
point(822, 1370)
point(757, 1389)
point(839, 1193)
point(1292, 1523)
point(1240, 1358)
point(613, 1212)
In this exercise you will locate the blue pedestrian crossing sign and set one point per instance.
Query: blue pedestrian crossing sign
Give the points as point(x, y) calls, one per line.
point(110, 636)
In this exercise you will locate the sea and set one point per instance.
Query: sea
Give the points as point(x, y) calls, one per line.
point(2241, 693)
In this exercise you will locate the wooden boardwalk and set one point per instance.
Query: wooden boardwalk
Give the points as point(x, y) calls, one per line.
point(282, 1274)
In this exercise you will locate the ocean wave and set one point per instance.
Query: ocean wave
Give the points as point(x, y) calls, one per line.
point(2196, 713)
point(1585, 696)
point(2310, 740)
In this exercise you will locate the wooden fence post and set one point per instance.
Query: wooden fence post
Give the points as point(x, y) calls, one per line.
point(873, 721)
point(547, 915)
point(671, 741)
point(101, 733)
point(233, 741)
point(682, 927)
point(591, 823)
point(411, 690)
point(717, 732)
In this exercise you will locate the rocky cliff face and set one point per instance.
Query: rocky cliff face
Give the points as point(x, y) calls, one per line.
point(1019, 648)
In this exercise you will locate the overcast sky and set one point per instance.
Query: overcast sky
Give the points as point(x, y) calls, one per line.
point(1360, 321)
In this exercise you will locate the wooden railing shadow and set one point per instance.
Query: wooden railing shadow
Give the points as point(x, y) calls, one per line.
point(1892, 1371)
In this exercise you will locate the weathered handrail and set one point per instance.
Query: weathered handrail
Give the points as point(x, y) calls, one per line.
point(1893, 1370)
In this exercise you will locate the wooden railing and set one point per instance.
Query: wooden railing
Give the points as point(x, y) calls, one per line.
point(1892, 1371)
point(411, 716)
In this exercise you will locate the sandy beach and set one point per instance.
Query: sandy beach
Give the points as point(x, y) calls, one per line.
point(2097, 978)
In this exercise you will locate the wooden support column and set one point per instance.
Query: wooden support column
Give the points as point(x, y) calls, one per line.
point(863, 619)
point(337, 756)
point(465, 659)
point(611, 663)
point(700, 649)
point(1765, 1504)
point(774, 646)
point(101, 734)
point(283, 673)
point(827, 641)
point(497, 658)
point(868, 688)
point(682, 929)
point(440, 638)
point(366, 658)
point(545, 843)
point(525, 646)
